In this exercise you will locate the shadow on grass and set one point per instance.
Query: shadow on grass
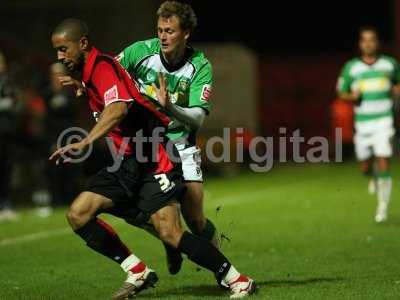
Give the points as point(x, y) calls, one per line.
point(297, 282)
point(390, 222)
point(212, 290)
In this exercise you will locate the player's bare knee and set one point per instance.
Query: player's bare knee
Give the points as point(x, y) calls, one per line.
point(80, 212)
point(75, 219)
point(166, 235)
point(78, 218)
point(383, 164)
point(170, 235)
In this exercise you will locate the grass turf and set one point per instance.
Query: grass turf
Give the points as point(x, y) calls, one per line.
point(301, 231)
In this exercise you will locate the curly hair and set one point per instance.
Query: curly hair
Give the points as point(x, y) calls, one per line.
point(183, 11)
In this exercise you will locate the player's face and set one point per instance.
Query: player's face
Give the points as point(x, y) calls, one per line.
point(369, 43)
point(171, 35)
point(69, 53)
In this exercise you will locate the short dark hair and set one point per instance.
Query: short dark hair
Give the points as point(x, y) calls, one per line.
point(370, 28)
point(183, 11)
point(74, 28)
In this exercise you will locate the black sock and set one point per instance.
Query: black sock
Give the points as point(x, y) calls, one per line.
point(209, 231)
point(203, 253)
point(99, 236)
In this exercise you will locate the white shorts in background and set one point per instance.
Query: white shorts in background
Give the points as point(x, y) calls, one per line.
point(191, 164)
point(377, 144)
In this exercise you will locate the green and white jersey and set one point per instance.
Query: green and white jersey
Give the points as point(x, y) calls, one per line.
point(374, 83)
point(189, 83)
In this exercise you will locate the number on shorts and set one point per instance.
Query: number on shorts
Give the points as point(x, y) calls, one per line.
point(163, 181)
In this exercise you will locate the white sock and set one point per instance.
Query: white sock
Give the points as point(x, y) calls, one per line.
point(231, 276)
point(384, 190)
point(130, 262)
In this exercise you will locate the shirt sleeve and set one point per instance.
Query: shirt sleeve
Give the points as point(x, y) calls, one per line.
point(131, 55)
point(193, 116)
point(109, 84)
point(200, 88)
point(345, 80)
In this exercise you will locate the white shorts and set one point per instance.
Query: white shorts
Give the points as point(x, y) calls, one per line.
point(378, 144)
point(191, 164)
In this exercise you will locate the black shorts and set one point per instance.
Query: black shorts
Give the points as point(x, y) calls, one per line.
point(135, 189)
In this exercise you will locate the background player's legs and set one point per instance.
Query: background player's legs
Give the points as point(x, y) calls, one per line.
point(384, 188)
point(363, 148)
point(368, 169)
point(383, 151)
point(382, 164)
point(197, 249)
point(192, 211)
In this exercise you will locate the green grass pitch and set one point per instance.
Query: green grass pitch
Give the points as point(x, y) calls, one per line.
point(301, 231)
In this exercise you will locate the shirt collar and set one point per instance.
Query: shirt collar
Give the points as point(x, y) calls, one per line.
point(172, 68)
point(372, 63)
point(89, 64)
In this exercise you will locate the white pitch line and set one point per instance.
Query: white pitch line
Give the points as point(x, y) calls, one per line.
point(35, 236)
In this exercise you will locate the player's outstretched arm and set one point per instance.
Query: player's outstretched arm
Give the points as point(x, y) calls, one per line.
point(111, 116)
point(193, 117)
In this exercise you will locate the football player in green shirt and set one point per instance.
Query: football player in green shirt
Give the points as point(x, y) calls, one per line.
point(188, 74)
point(371, 81)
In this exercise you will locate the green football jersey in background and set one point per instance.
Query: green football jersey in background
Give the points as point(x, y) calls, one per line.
point(374, 82)
point(189, 83)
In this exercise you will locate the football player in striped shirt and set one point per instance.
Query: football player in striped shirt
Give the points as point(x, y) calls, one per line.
point(371, 81)
point(189, 77)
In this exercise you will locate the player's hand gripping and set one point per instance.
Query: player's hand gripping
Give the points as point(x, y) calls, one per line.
point(61, 154)
point(162, 92)
point(75, 84)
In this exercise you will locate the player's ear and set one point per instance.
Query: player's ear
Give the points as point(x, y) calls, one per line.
point(84, 43)
point(187, 34)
